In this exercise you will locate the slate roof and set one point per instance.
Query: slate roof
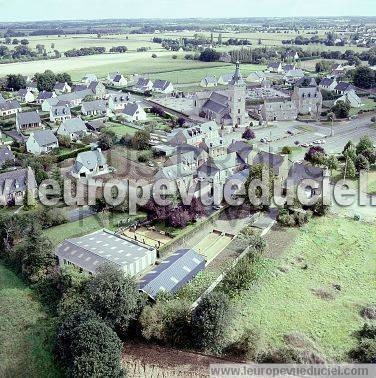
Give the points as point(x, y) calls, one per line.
point(241, 148)
point(117, 78)
point(17, 180)
point(76, 95)
point(173, 172)
point(9, 105)
point(274, 65)
point(2, 99)
point(161, 84)
point(22, 92)
point(73, 125)
point(326, 82)
point(6, 154)
point(208, 167)
point(89, 160)
point(307, 81)
point(299, 172)
point(92, 250)
point(270, 160)
point(96, 105)
point(343, 86)
point(27, 118)
point(130, 109)
point(288, 67)
point(44, 95)
point(60, 109)
point(59, 86)
point(172, 273)
point(45, 137)
point(217, 103)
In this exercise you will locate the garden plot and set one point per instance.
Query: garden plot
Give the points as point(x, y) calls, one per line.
point(213, 244)
point(148, 236)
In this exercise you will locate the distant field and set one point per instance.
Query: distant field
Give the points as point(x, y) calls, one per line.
point(336, 251)
point(101, 65)
point(24, 345)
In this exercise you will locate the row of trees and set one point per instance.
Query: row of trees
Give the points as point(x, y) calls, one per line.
point(85, 51)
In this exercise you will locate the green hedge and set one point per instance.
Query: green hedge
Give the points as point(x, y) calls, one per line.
point(72, 153)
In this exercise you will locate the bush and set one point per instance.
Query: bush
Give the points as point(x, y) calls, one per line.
point(286, 220)
point(286, 150)
point(250, 345)
point(209, 322)
point(290, 355)
point(369, 312)
point(365, 351)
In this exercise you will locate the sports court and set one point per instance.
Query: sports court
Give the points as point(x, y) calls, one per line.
point(213, 244)
point(149, 236)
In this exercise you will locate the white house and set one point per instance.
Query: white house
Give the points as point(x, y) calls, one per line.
point(44, 95)
point(293, 75)
point(117, 79)
point(92, 108)
point(163, 86)
point(89, 164)
point(32, 87)
point(275, 67)
point(41, 142)
point(8, 108)
point(143, 85)
point(48, 103)
point(133, 112)
point(88, 78)
point(328, 84)
point(208, 81)
point(24, 95)
point(118, 101)
point(73, 128)
point(61, 88)
point(352, 98)
point(60, 112)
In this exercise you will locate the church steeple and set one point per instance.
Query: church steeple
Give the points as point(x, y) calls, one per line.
point(237, 78)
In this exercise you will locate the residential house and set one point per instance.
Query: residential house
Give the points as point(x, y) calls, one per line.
point(95, 125)
point(24, 95)
point(118, 101)
point(91, 251)
point(225, 78)
point(117, 79)
point(44, 95)
point(143, 85)
point(291, 55)
point(242, 150)
point(308, 100)
point(41, 142)
point(133, 112)
point(338, 70)
point(15, 184)
point(219, 169)
point(28, 120)
point(256, 77)
point(10, 107)
point(279, 109)
point(60, 112)
point(173, 273)
point(163, 86)
point(328, 84)
point(208, 82)
point(177, 174)
point(48, 103)
point(98, 89)
point(275, 67)
point(306, 81)
point(88, 78)
point(288, 67)
point(292, 76)
point(342, 87)
point(61, 88)
point(73, 128)
point(93, 108)
point(6, 155)
point(75, 98)
point(32, 87)
point(89, 164)
point(351, 98)
point(279, 164)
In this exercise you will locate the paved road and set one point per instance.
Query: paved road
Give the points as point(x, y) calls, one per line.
point(308, 132)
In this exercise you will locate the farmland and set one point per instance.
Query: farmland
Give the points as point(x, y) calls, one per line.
point(296, 290)
point(24, 328)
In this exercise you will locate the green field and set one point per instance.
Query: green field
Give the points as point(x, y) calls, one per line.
point(336, 251)
point(24, 341)
point(87, 225)
point(369, 104)
point(120, 129)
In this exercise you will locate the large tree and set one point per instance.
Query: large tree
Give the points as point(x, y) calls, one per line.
point(364, 77)
point(114, 296)
point(210, 320)
point(15, 82)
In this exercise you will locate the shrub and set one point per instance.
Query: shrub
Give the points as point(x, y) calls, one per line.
point(154, 56)
point(286, 150)
point(365, 351)
point(369, 312)
point(286, 220)
point(250, 344)
point(362, 163)
point(210, 320)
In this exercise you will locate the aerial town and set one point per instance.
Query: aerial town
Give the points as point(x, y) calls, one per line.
point(179, 195)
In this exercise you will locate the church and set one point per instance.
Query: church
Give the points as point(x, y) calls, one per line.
point(226, 107)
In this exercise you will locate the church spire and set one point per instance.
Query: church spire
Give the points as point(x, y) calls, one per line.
point(237, 77)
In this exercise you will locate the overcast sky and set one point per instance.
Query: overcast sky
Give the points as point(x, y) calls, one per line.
point(35, 10)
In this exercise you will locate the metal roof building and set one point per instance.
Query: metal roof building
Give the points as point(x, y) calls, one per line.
point(172, 273)
point(90, 251)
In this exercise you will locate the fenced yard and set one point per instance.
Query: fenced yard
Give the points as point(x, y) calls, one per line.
point(213, 244)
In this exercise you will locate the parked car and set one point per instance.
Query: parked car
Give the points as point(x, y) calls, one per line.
point(290, 132)
point(304, 145)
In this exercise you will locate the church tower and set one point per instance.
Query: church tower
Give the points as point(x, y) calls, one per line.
point(236, 97)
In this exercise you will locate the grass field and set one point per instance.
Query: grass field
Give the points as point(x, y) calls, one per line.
point(369, 104)
point(120, 129)
point(336, 251)
point(85, 226)
point(24, 345)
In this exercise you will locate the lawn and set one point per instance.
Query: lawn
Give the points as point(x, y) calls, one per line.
point(120, 129)
point(369, 104)
point(335, 251)
point(87, 225)
point(24, 331)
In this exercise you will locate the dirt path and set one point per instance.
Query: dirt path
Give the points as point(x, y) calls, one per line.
point(146, 361)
